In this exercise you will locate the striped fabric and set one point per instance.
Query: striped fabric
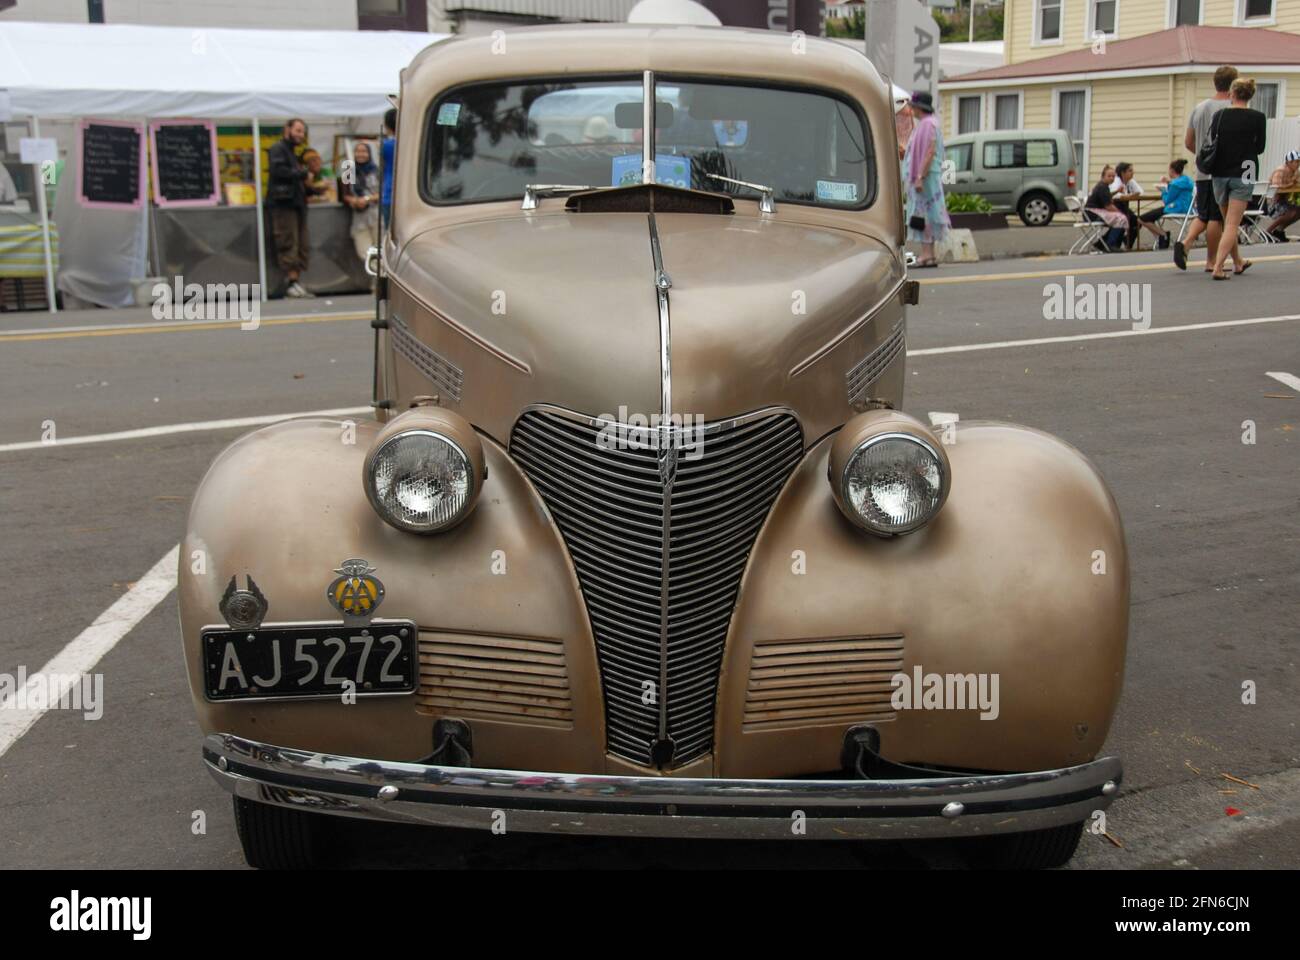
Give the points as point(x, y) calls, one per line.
point(22, 254)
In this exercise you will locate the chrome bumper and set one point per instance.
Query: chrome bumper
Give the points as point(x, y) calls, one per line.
point(660, 806)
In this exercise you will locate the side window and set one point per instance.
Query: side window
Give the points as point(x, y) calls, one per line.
point(1040, 153)
point(1004, 153)
point(959, 155)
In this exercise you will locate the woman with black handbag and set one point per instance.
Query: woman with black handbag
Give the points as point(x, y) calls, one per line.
point(927, 213)
point(1231, 155)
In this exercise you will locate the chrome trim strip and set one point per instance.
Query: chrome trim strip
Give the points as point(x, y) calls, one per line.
point(712, 426)
point(667, 454)
point(848, 331)
point(599, 804)
point(648, 127)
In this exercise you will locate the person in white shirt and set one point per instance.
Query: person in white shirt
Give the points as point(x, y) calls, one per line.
point(8, 193)
point(1125, 185)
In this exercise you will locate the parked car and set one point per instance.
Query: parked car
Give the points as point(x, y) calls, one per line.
point(639, 540)
point(1028, 171)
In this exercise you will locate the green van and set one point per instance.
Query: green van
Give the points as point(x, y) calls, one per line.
point(1028, 171)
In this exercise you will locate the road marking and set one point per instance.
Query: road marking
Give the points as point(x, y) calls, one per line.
point(162, 431)
point(89, 647)
point(1111, 334)
point(1290, 379)
point(173, 326)
point(209, 425)
point(1076, 271)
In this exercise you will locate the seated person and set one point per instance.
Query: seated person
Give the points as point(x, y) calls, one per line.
point(1176, 192)
point(1122, 187)
point(1100, 205)
point(1285, 209)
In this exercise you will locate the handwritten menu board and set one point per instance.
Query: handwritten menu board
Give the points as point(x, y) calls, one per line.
point(110, 172)
point(185, 163)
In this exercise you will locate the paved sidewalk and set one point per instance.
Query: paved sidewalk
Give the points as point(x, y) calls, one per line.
point(33, 319)
point(1017, 240)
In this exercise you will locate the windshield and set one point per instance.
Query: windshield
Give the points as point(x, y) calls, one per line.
point(489, 141)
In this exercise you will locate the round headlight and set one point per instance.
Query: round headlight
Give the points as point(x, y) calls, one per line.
point(888, 473)
point(421, 481)
point(894, 483)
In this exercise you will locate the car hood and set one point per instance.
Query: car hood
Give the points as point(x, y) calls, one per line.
point(568, 303)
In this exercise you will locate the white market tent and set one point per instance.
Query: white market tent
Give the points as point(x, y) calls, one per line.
point(106, 71)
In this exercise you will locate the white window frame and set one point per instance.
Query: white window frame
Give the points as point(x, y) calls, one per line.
point(1084, 182)
point(1281, 96)
point(958, 97)
point(1036, 39)
point(1089, 23)
point(1171, 10)
point(993, 108)
point(1242, 21)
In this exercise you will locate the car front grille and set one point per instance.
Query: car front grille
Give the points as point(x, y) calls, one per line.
point(609, 504)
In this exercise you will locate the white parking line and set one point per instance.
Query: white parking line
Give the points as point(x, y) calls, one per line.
point(197, 427)
point(356, 411)
point(88, 648)
point(1290, 379)
point(1110, 334)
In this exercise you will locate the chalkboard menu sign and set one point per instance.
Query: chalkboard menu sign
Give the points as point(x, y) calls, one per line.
point(184, 163)
point(110, 171)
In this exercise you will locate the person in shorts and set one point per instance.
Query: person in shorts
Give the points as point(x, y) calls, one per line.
point(1209, 218)
point(1239, 133)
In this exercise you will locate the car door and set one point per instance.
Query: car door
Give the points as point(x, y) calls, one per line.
point(957, 168)
point(999, 168)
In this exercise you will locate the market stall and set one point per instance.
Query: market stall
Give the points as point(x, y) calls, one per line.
point(161, 134)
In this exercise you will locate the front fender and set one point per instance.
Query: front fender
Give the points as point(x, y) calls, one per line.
point(496, 600)
point(1001, 583)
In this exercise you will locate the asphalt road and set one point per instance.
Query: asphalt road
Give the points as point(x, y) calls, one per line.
point(1212, 525)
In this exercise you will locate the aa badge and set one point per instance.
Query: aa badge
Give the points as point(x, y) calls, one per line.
point(356, 593)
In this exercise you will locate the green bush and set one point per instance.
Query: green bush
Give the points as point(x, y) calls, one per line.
point(967, 203)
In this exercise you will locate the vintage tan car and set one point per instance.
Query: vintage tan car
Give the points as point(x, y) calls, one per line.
point(639, 541)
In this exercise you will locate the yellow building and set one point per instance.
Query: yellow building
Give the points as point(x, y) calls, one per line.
point(1122, 76)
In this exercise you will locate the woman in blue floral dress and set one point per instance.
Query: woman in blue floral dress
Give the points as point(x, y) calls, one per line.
point(923, 165)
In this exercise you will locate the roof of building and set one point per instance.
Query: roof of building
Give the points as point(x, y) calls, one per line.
point(612, 11)
point(1177, 47)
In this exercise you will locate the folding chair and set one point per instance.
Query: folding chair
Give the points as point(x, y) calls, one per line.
point(1182, 220)
point(1090, 230)
point(1252, 230)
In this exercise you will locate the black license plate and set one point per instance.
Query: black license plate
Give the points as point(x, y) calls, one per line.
point(309, 660)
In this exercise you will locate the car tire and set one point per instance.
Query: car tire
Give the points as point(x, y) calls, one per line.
point(1036, 209)
point(274, 838)
point(1034, 850)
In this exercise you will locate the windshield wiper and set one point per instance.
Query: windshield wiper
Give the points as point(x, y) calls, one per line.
point(534, 190)
point(765, 204)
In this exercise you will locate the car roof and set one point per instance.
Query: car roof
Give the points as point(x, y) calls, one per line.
point(1010, 134)
point(606, 48)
